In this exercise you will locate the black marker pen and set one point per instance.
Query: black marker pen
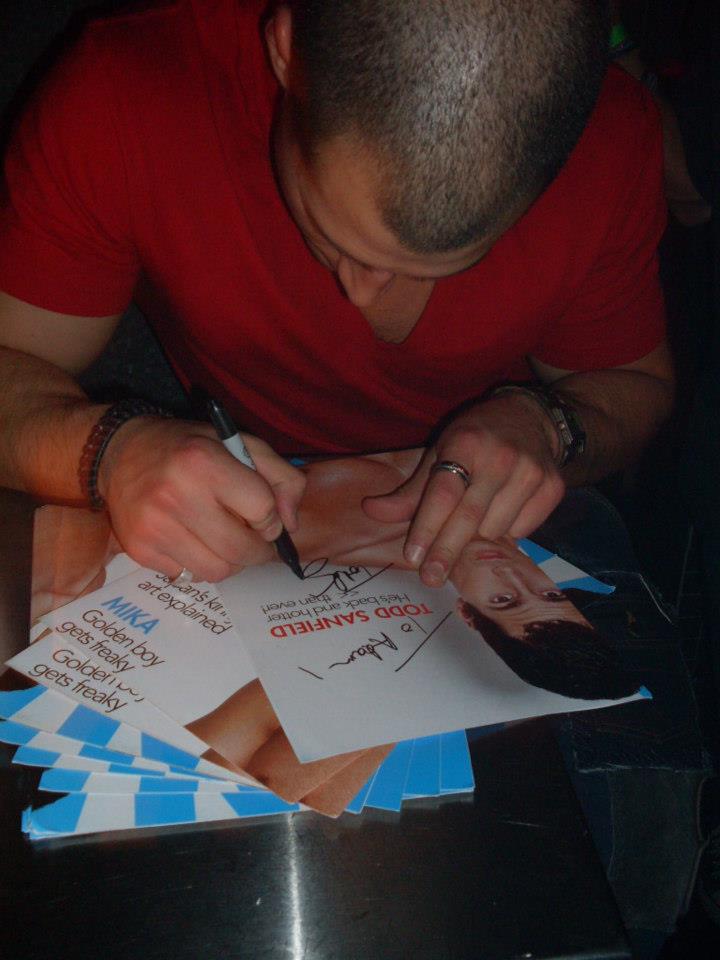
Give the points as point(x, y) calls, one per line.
point(232, 441)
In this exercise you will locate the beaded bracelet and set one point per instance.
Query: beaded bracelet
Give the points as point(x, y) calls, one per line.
point(99, 438)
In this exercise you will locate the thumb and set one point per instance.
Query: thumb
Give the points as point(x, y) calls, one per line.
point(287, 482)
point(400, 504)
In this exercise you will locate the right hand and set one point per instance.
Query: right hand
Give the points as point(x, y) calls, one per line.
point(178, 499)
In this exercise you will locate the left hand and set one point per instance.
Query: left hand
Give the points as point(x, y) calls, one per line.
point(508, 446)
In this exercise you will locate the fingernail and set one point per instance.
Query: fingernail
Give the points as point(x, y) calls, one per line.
point(434, 573)
point(414, 553)
point(272, 528)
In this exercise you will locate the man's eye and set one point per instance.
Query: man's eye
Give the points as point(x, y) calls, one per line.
point(501, 599)
point(554, 595)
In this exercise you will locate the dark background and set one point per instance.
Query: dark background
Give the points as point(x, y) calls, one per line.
point(671, 500)
point(675, 482)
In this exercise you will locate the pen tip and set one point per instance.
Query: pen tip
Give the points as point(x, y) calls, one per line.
point(293, 561)
point(288, 553)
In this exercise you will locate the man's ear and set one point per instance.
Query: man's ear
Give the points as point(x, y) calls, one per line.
point(278, 36)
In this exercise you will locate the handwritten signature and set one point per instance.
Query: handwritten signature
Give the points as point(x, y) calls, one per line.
point(344, 581)
point(367, 649)
point(370, 648)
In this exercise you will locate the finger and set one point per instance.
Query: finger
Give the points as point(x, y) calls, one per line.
point(457, 531)
point(288, 504)
point(175, 548)
point(395, 507)
point(204, 472)
point(288, 482)
point(155, 560)
point(443, 493)
point(246, 494)
point(270, 527)
point(401, 503)
point(538, 509)
point(204, 564)
point(443, 490)
point(229, 536)
point(505, 506)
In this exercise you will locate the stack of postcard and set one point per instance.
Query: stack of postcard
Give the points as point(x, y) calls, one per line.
point(220, 753)
point(160, 703)
point(106, 788)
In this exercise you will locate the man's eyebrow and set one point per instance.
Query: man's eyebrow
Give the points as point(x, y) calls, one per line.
point(323, 235)
point(410, 276)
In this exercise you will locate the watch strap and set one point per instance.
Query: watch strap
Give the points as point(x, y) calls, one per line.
point(568, 426)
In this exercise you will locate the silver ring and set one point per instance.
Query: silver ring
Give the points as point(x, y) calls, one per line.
point(185, 576)
point(457, 468)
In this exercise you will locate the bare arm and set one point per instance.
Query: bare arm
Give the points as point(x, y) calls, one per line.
point(45, 417)
point(621, 410)
point(176, 498)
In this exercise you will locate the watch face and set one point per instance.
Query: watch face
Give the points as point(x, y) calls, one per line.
point(575, 444)
point(567, 423)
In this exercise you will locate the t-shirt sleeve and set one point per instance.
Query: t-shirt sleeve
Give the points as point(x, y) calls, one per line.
point(618, 313)
point(65, 237)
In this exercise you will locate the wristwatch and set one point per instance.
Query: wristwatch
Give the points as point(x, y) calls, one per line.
point(568, 426)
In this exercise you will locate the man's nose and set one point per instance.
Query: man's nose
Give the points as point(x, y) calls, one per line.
point(511, 577)
point(361, 284)
point(530, 584)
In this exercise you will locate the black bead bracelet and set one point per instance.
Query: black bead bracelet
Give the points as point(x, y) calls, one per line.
point(99, 438)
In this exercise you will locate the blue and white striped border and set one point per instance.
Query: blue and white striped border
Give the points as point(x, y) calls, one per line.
point(44, 709)
point(80, 813)
point(96, 758)
point(64, 780)
point(93, 804)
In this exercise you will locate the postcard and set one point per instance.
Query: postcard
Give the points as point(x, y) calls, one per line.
point(360, 641)
point(390, 659)
point(161, 656)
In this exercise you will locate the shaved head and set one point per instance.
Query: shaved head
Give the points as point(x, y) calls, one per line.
point(471, 107)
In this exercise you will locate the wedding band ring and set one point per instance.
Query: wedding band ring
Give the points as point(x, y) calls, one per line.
point(457, 468)
point(185, 576)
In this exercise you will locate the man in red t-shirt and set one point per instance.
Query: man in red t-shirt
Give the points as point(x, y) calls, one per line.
point(351, 225)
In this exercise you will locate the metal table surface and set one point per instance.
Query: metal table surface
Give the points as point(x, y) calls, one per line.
point(507, 873)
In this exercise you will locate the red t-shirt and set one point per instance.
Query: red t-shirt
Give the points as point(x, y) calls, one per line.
point(142, 168)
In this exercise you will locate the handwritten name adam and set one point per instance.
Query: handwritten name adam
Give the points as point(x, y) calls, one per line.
point(369, 649)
